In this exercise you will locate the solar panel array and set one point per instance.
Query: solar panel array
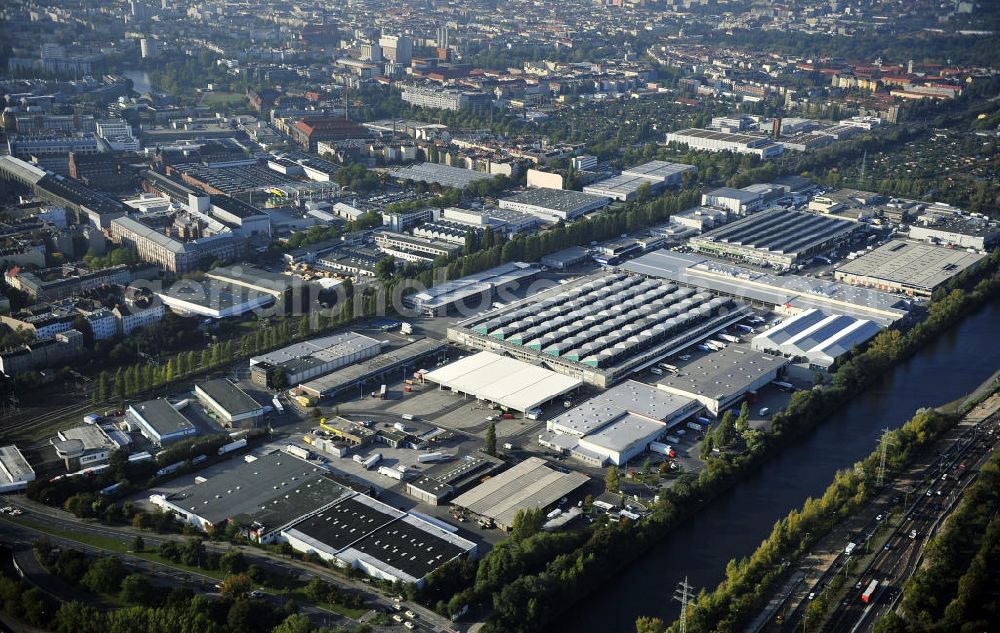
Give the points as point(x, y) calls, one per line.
point(606, 320)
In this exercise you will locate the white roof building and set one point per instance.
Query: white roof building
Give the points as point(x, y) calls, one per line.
point(822, 338)
point(506, 381)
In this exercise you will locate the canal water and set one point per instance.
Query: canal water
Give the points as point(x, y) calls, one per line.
point(735, 524)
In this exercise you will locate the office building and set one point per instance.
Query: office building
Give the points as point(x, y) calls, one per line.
point(445, 98)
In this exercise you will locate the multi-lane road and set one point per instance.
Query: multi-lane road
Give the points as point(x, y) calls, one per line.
point(926, 504)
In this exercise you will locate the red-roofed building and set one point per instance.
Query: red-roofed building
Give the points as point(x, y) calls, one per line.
point(310, 131)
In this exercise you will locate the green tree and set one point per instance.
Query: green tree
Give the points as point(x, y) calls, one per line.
point(649, 625)
point(233, 562)
point(138, 544)
point(136, 589)
point(103, 387)
point(193, 552)
point(527, 523)
point(295, 623)
point(611, 481)
point(236, 586)
point(490, 443)
point(105, 575)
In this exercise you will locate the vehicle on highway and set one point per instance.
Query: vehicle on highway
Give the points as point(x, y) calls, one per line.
point(878, 518)
point(410, 614)
point(812, 595)
point(409, 625)
point(397, 617)
point(913, 534)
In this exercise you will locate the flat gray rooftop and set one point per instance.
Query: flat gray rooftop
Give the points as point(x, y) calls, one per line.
point(911, 264)
point(529, 484)
point(701, 272)
point(162, 416)
point(723, 373)
point(627, 397)
point(229, 396)
point(319, 350)
point(278, 487)
point(565, 200)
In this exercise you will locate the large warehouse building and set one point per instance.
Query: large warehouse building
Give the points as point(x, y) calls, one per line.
point(716, 141)
point(304, 361)
point(723, 378)
point(618, 424)
point(282, 498)
point(528, 485)
point(601, 328)
point(471, 291)
point(916, 269)
point(159, 421)
point(777, 238)
point(378, 539)
point(657, 175)
point(552, 205)
point(820, 337)
point(785, 294)
point(509, 382)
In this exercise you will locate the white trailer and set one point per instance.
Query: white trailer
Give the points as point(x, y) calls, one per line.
point(394, 473)
point(371, 460)
point(694, 426)
point(298, 451)
point(673, 439)
point(437, 456)
point(232, 446)
point(730, 338)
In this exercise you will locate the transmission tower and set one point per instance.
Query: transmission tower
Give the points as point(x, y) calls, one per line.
point(883, 450)
point(683, 594)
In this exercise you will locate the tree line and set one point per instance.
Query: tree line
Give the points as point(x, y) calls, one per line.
point(957, 587)
point(521, 592)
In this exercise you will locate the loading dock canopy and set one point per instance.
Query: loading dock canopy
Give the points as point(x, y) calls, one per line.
point(506, 381)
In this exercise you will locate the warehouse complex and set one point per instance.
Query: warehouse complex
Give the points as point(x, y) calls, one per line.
point(716, 141)
point(657, 175)
point(723, 378)
point(471, 291)
point(778, 238)
point(282, 498)
point(398, 358)
point(786, 294)
point(440, 482)
point(602, 327)
point(916, 269)
point(509, 382)
point(432, 173)
point(618, 424)
point(817, 336)
point(552, 205)
point(304, 361)
point(383, 542)
point(528, 485)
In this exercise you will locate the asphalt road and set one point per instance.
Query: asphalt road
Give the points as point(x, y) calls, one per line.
point(171, 576)
point(942, 484)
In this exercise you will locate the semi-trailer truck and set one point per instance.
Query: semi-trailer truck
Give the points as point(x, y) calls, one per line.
point(662, 449)
point(730, 338)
